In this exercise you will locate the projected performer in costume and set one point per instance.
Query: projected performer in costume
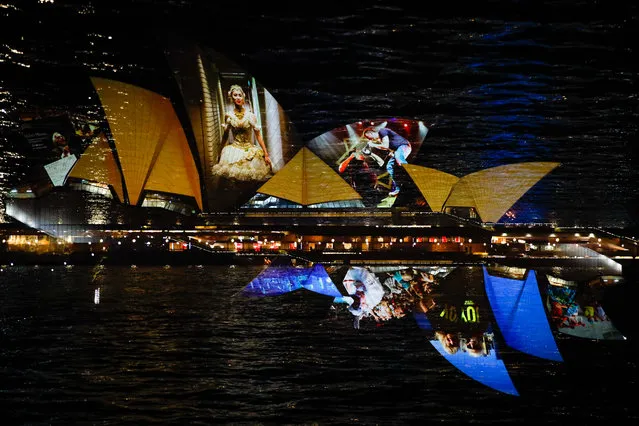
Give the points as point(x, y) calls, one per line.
point(365, 291)
point(359, 174)
point(242, 160)
point(399, 149)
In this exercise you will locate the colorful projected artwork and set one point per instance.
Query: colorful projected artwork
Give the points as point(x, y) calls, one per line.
point(242, 135)
point(278, 280)
point(370, 156)
point(519, 311)
point(576, 310)
point(53, 149)
point(218, 141)
point(473, 316)
point(50, 138)
point(59, 169)
point(447, 302)
point(380, 294)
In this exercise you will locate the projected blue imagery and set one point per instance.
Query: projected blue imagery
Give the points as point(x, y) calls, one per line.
point(458, 316)
point(520, 315)
point(472, 316)
point(277, 280)
point(487, 369)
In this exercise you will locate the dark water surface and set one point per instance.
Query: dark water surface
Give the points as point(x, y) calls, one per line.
point(181, 346)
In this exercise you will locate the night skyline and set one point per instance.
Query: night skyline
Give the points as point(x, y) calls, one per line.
point(498, 86)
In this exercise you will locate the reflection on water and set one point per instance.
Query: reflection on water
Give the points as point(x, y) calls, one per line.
point(284, 279)
point(577, 311)
point(472, 314)
point(258, 344)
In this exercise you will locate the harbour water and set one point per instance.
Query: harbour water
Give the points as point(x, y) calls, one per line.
point(183, 345)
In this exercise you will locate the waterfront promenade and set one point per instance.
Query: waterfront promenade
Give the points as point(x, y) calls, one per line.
point(330, 237)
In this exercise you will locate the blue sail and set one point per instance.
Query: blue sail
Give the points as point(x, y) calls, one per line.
point(318, 281)
point(277, 280)
point(487, 370)
point(521, 316)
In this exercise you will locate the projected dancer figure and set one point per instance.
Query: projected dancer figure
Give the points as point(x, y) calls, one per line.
point(359, 174)
point(399, 147)
point(365, 290)
point(242, 160)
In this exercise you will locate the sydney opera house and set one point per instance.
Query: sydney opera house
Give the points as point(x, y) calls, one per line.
point(218, 164)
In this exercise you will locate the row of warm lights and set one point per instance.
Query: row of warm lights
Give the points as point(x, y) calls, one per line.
point(240, 239)
point(616, 235)
point(553, 235)
point(550, 243)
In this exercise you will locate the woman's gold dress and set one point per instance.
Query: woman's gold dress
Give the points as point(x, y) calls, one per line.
point(242, 160)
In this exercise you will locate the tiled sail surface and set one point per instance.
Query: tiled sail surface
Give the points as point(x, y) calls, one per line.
point(140, 122)
point(97, 164)
point(496, 189)
point(288, 183)
point(307, 180)
point(434, 185)
point(174, 170)
point(322, 183)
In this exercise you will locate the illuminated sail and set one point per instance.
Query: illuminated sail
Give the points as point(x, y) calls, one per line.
point(97, 164)
point(174, 171)
point(493, 191)
point(488, 370)
point(59, 169)
point(306, 180)
point(140, 122)
point(318, 281)
point(278, 280)
point(288, 183)
point(434, 185)
point(322, 183)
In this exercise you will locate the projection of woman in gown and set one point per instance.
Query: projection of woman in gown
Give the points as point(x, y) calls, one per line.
point(242, 160)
